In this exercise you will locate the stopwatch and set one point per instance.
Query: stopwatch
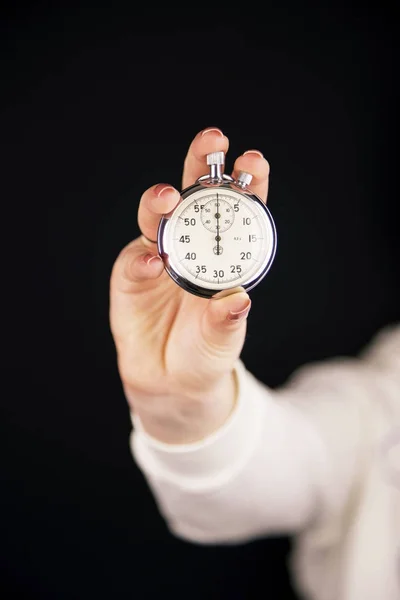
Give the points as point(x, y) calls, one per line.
point(220, 236)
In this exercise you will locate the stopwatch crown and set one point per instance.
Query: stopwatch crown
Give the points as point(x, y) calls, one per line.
point(216, 158)
point(244, 179)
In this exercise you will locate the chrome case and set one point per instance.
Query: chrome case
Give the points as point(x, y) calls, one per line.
point(221, 181)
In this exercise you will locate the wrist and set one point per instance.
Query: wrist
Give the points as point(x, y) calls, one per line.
point(181, 420)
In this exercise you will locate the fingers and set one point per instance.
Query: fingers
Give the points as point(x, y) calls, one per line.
point(253, 162)
point(209, 140)
point(156, 201)
point(135, 265)
point(213, 140)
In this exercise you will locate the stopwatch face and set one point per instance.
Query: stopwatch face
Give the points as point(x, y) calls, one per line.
point(216, 239)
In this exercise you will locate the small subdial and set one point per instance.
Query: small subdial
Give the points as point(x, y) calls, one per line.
point(217, 215)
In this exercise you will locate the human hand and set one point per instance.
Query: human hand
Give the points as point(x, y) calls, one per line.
point(176, 351)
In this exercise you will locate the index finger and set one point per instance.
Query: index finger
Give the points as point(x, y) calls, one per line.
point(209, 140)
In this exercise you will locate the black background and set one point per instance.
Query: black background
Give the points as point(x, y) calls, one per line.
point(97, 105)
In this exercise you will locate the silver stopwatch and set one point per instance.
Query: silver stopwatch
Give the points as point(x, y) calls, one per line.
point(220, 236)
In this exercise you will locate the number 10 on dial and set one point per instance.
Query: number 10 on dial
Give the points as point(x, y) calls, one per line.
point(220, 236)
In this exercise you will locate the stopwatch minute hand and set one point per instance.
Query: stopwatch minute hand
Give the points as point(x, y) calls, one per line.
point(218, 226)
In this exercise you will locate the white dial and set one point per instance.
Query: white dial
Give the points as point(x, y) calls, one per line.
point(218, 238)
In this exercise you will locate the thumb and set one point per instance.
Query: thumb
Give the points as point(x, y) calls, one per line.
point(224, 324)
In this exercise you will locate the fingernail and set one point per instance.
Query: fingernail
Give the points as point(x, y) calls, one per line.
point(210, 129)
point(161, 188)
point(149, 258)
point(254, 152)
point(241, 314)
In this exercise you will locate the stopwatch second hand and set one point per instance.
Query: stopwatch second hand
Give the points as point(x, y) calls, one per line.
point(218, 238)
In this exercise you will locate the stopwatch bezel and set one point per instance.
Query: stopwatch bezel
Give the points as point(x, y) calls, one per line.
point(201, 291)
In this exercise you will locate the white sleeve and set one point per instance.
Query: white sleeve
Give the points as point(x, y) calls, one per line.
point(283, 457)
